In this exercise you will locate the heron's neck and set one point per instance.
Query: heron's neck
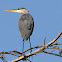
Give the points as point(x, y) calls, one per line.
point(25, 12)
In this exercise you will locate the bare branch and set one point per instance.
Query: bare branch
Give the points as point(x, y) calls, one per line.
point(52, 53)
point(39, 50)
point(54, 39)
point(12, 53)
point(32, 48)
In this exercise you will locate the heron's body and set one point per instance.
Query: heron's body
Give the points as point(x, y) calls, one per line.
point(26, 25)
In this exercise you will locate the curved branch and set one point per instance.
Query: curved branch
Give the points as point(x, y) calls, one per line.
point(37, 51)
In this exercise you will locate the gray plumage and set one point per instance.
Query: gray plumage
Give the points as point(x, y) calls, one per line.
point(26, 25)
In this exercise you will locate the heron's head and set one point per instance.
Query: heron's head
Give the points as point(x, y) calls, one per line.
point(19, 10)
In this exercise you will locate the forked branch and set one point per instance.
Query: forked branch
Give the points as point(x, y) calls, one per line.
point(41, 49)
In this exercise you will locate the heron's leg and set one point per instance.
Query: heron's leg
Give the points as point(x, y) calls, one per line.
point(23, 45)
point(30, 44)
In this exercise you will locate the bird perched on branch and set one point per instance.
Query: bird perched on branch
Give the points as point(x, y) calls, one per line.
point(26, 24)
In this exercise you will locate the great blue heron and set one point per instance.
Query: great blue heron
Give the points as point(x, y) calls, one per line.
point(26, 24)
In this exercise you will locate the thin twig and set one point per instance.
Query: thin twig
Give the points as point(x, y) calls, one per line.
point(12, 53)
point(32, 48)
point(3, 58)
point(52, 53)
point(54, 39)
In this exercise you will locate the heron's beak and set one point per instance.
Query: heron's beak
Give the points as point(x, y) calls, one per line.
point(18, 11)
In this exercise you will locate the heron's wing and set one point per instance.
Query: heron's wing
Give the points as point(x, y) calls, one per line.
point(30, 25)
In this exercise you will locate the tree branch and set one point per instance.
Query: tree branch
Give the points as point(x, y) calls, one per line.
point(37, 51)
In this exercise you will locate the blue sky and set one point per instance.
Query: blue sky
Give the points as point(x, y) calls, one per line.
point(47, 16)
